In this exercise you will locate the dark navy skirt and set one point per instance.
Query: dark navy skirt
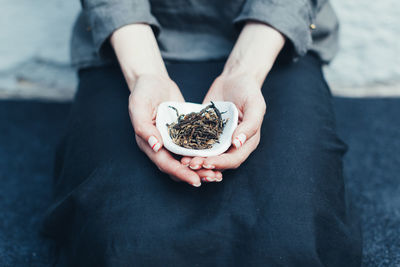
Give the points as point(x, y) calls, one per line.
point(285, 206)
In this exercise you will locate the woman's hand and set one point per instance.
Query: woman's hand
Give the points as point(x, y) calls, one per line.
point(147, 93)
point(245, 92)
point(147, 78)
point(244, 73)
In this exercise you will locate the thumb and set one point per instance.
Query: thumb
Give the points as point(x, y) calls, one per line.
point(142, 119)
point(253, 116)
point(213, 93)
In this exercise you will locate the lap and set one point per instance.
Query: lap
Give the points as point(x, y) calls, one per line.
point(285, 205)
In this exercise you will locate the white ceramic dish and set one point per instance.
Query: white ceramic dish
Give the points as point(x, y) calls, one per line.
point(166, 115)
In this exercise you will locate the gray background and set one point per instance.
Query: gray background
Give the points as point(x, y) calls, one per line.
point(34, 51)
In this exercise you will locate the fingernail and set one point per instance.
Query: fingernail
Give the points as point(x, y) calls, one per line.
point(208, 166)
point(157, 147)
point(195, 167)
point(154, 144)
point(197, 185)
point(239, 140)
point(218, 179)
point(209, 179)
point(186, 165)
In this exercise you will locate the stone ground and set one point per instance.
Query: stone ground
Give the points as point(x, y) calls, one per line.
point(34, 57)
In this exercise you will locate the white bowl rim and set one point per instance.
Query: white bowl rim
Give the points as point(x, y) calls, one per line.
point(186, 107)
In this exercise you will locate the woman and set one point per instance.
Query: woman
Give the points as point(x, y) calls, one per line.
point(282, 199)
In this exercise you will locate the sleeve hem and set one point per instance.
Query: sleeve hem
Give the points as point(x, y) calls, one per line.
point(106, 19)
point(291, 24)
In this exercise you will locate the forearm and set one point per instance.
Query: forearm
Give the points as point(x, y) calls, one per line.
point(255, 51)
point(137, 51)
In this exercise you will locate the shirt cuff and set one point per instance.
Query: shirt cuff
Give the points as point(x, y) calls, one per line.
point(291, 19)
point(105, 19)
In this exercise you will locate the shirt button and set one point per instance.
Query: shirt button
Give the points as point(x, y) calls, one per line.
point(88, 28)
point(312, 26)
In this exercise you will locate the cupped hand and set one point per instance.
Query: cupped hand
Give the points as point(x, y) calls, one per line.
point(245, 92)
point(147, 92)
point(144, 70)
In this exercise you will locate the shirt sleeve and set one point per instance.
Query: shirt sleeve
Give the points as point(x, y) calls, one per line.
point(294, 19)
point(106, 16)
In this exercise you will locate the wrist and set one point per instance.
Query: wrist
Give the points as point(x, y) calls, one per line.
point(239, 81)
point(255, 51)
point(157, 81)
point(235, 67)
point(132, 75)
point(137, 52)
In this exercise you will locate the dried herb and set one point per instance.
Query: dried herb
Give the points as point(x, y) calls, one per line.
point(197, 130)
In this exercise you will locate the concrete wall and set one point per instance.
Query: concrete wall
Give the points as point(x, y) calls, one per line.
point(369, 59)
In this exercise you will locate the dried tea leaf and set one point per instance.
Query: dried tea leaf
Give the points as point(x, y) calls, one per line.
point(197, 130)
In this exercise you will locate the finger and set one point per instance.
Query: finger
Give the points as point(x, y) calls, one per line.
point(209, 175)
point(196, 163)
point(142, 117)
point(218, 175)
point(174, 178)
point(167, 164)
point(211, 96)
point(186, 160)
point(253, 116)
point(233, 158)
point(206, 166)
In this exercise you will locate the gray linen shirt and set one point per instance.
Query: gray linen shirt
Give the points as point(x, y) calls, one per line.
point(202, 29)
